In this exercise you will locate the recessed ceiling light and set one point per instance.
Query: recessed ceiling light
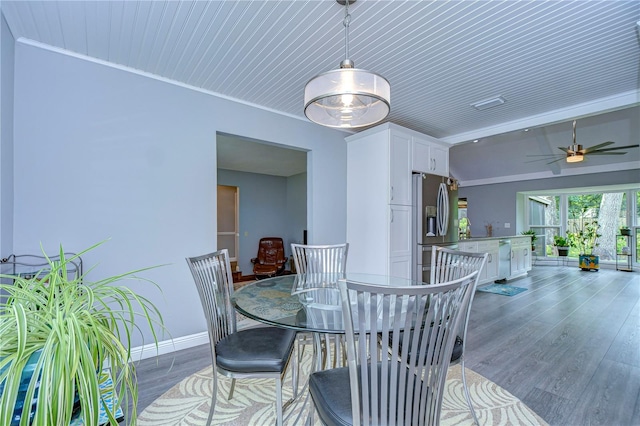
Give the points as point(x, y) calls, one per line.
point(488, 103)
point(476, 140)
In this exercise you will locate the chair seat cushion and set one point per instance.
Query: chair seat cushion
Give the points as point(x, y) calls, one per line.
point(331, 394)
point(262, 349)
point(457, 345)
point(265, 269)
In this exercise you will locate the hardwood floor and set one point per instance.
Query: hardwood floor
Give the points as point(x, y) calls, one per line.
point(568, 347)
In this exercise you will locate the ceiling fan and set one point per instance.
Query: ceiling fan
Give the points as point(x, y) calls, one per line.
point(576, 153)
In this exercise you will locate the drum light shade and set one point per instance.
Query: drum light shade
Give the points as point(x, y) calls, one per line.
point(347, 98)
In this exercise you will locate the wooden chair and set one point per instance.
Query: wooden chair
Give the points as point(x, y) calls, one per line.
point(404, 385)
point(252, 353)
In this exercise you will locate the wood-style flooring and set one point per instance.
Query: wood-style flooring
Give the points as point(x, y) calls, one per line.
point(568, 347)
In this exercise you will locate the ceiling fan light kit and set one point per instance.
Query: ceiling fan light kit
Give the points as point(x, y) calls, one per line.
point(575, 153)
point(347, 97)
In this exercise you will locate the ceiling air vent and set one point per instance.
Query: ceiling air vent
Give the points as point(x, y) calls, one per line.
point(488, 103)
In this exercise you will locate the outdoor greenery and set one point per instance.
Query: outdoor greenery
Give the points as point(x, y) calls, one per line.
point(559, 241)
point(584, 235)
point(76, 327)
point(610, 210)
point(533, 235)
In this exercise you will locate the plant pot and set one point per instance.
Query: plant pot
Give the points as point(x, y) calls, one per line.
point(25, 379)
point(625, 232)
point(563, 251)
point(588, 262)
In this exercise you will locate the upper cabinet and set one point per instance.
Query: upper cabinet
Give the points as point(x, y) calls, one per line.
point(399, 169)
point(429, 156)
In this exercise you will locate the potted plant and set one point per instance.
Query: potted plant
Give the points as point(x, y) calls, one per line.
point(534, 237)
point(562, 244)
point(584, 237)
point(624, 230)
point(57, 331)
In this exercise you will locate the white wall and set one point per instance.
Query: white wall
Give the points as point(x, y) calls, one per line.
point(101, 153)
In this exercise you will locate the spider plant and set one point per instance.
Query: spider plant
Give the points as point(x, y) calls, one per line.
point(72, 327)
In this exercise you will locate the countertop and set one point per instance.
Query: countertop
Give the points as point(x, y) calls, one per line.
point(492, 238)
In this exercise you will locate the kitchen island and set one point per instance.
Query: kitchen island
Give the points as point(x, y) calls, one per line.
point(509, 256)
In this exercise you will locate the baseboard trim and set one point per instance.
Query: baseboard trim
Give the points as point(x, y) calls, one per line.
point(167, 346)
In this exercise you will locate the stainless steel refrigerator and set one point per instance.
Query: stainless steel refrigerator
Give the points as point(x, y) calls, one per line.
point(434, 219)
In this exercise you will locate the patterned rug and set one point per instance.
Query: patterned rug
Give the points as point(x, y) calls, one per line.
point(187, 403)
point(503, 289)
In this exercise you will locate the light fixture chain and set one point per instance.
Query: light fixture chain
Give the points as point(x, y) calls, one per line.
point(346, 22)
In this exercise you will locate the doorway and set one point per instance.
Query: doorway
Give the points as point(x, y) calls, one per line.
point(228, 221)
point(272, 191)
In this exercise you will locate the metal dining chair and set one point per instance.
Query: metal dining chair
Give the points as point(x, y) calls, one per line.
point(316, 260)
point(262, 352)
point(404, 385)
point(320, 258)
point(446, 265)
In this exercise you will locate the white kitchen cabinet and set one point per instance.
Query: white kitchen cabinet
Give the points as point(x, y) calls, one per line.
point(469, 246)
point(399, 231)
point(490, 270)
point(520, 256)
point(429, 157)
point(379, 201)
point(379, 197)
point(399, 168)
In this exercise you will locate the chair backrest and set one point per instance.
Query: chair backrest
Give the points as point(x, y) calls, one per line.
point(405, 384)
point(448, 264)
point(212, 275)
point(271, 251)
point(320, 259)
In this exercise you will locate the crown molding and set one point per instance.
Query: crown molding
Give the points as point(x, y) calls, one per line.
point(631, 165)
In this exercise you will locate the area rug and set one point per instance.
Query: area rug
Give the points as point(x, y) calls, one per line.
point(503, 289)
point(253, 403)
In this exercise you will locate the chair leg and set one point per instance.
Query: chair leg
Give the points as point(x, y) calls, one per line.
point(279, 401)
point(214, 393)
point(467, 395)
point(232, 388)
point(294, 372)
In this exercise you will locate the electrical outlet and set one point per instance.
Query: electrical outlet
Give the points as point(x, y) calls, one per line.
point(507, 225)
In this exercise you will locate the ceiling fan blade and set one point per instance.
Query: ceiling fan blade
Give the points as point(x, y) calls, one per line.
point(544, 155)
point(605, 153)
point(543, 159)
point(616, 148)
point(555, 161)
point(596, 147)
point(566, 150)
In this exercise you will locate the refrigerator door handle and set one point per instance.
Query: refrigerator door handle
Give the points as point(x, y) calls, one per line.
point(443, 209)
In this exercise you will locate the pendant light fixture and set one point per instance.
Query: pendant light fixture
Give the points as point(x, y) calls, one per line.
point(347, 97)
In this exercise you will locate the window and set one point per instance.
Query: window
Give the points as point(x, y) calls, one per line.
point(562, 213)
point(544, 218)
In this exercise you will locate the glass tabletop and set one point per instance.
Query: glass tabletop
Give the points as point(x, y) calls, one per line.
point(306, 302)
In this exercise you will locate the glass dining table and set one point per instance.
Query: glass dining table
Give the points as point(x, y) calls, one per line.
point(304, 302)
point(307, 303)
